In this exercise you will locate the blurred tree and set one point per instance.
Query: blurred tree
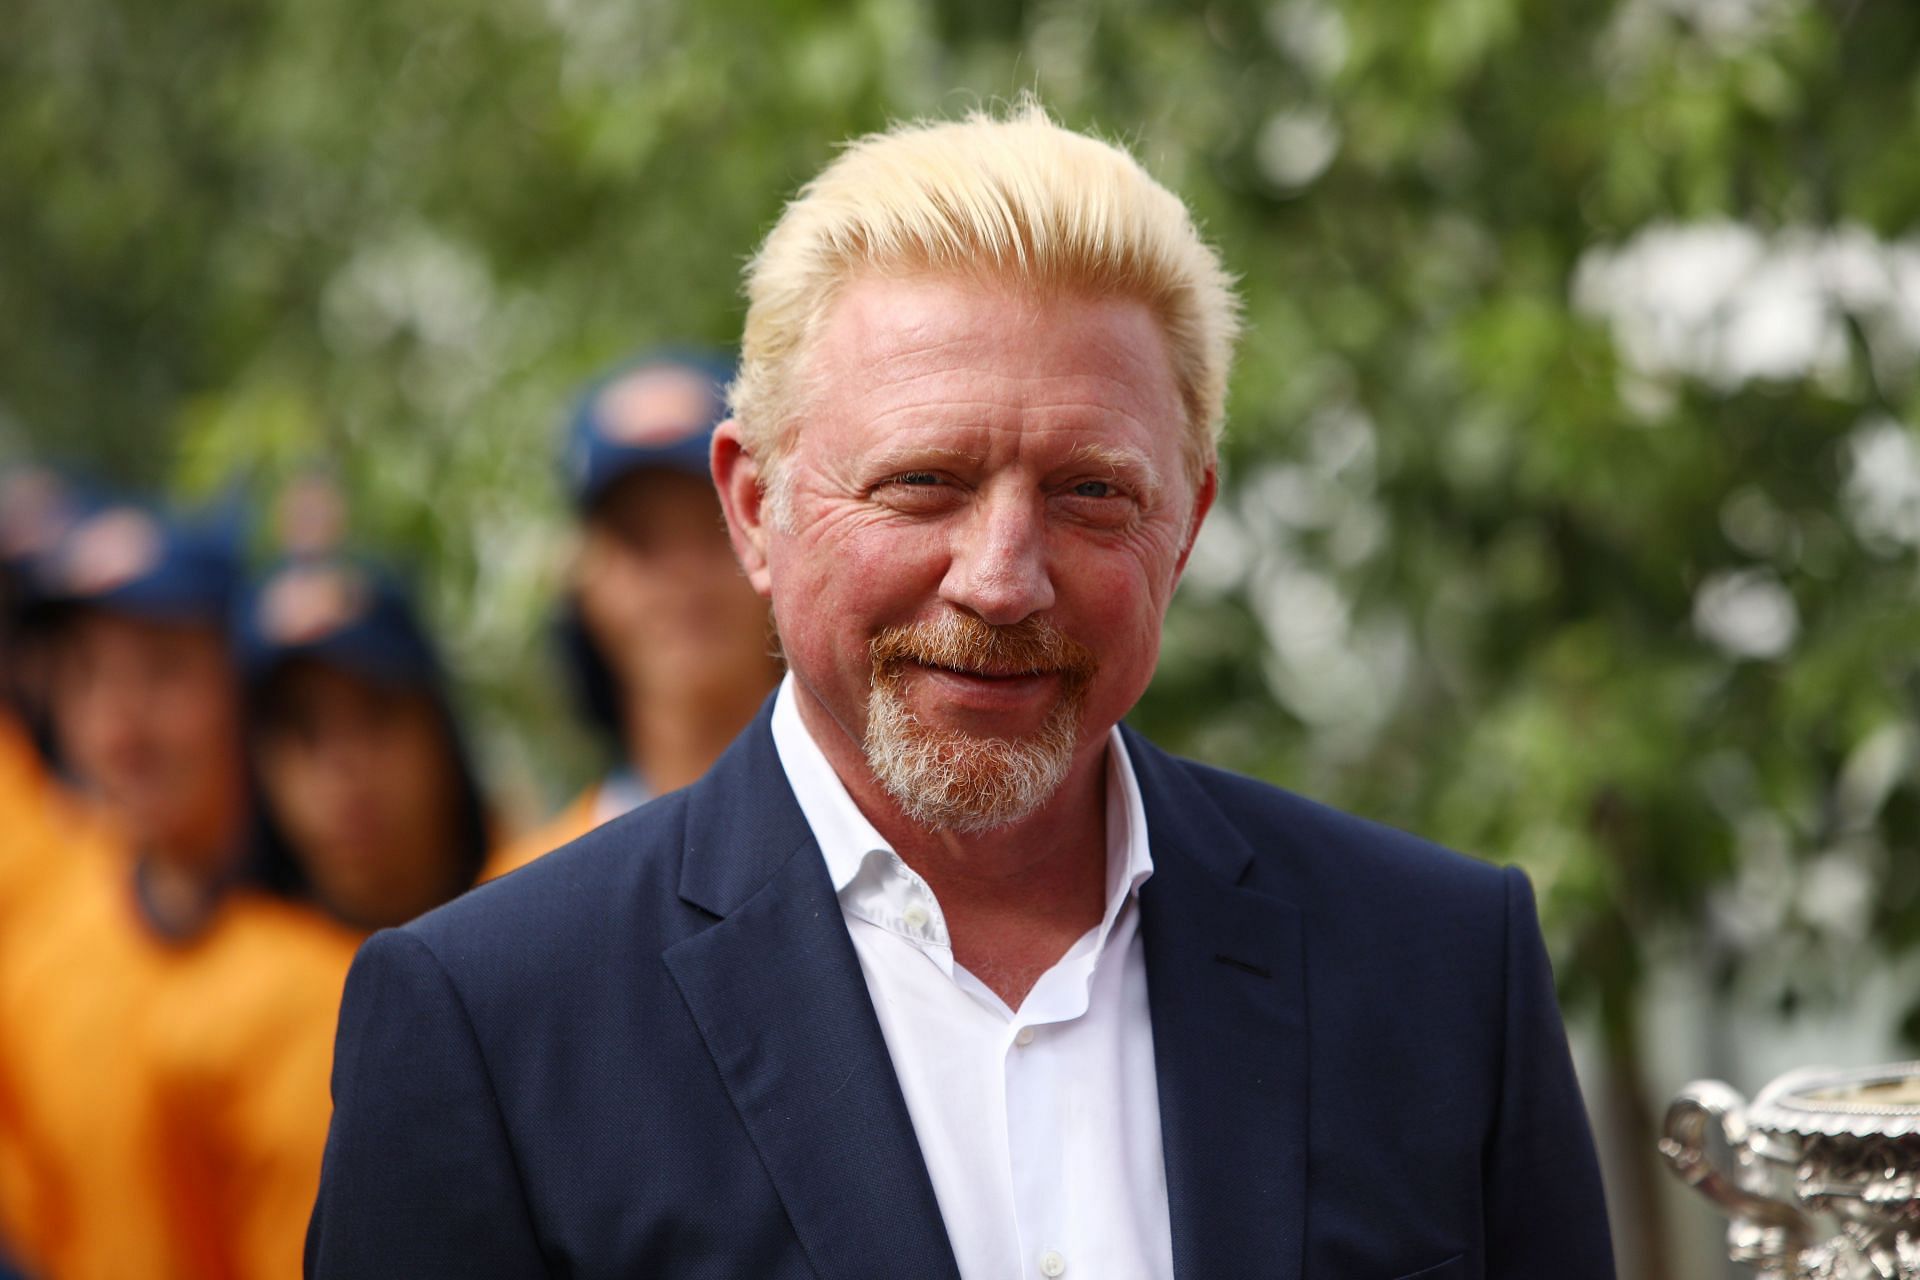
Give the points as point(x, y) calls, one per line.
point(1573, 487)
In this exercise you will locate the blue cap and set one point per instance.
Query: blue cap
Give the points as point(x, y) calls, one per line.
point(657, 410)
point(344, 612)
point(130, 558)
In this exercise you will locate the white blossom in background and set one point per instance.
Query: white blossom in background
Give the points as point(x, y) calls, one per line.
point(415, 280)
point(1747, 613)
point(1222, 555)
point(1295, 146)
point(1311, 32)
point(1337, 674)
point(1751, 911)
point(606, 40)
point(1883, 484)
point(1286, 534)
point(1730, 19)
point(1837, 888)
point(1874, 768)
point(1725, 303)
point(1727, 27)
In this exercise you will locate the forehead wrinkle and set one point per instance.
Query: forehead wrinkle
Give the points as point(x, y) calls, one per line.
point(878, 347)
point(1127, 386)
point(913, 343)
point(936, 412)
point(878, 344)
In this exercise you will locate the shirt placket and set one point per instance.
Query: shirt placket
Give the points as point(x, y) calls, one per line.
point(1038, 1097)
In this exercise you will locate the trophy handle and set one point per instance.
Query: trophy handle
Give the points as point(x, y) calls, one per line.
point(1684, 1146)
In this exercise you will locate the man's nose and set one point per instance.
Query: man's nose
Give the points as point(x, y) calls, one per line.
point(998, 564)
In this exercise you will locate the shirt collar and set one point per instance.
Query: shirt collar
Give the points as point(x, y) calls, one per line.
point(839, 828)
point(847, 839)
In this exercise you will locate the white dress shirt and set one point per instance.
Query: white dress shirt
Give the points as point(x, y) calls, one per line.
point(1040, 1126)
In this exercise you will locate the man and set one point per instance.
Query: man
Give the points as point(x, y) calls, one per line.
point(938, 972)
point(668, 646)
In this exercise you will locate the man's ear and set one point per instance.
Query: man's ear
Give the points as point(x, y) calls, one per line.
point(736, 475)
point(1202, 503)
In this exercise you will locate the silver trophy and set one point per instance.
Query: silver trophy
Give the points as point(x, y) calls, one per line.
point(1825, 1183)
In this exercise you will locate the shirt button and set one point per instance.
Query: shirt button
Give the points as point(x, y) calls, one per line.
point(1023, 1038)
point(1052, 1264)
point(916, 916)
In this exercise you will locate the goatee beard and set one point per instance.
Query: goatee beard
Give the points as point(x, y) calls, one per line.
point(947, 780)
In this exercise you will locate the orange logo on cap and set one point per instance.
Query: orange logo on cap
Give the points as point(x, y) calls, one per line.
point(308, 602)
point(111, 550)
point(655, 407)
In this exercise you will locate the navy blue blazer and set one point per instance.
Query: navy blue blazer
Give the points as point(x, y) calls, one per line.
point(652, 1054)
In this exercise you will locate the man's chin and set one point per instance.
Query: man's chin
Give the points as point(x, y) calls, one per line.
point(948, 773)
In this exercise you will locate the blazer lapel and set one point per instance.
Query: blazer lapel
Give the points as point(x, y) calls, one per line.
point(776, 990)
point(1226, 983)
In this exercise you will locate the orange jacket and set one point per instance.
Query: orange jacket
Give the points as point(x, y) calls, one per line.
point(170, 1098)
point(47, 840)
point(33, 809)
point(242, 1048)
point(76, 983)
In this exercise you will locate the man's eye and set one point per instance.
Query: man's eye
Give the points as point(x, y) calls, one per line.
point(917, 491)
point(1094, 489)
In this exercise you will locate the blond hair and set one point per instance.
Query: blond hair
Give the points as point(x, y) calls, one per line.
point(1016, 200)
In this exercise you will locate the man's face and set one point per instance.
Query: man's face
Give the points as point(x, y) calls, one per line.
point(363, 784)
point(147, 714)
point(989, 512)
point(662, 597)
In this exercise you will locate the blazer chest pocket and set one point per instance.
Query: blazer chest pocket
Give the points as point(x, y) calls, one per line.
point(1454, 1268)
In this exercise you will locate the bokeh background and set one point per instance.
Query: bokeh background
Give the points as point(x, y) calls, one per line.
point(1572, 484)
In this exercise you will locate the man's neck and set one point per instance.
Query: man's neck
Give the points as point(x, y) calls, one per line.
point(1016, 897)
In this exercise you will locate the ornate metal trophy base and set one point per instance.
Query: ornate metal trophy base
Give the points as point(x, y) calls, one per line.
point(1826, 1183)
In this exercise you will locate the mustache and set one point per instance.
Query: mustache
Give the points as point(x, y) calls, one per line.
point(962, 642)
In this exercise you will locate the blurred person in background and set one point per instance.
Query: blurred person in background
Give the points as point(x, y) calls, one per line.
point(366, 807)
point(144, 709)
point(369, 803)
point(36, 506)
point(669, 647)
point(142, 702)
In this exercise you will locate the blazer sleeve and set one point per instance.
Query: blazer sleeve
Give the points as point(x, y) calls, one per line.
point(419, 1179)
point(1546, 1213)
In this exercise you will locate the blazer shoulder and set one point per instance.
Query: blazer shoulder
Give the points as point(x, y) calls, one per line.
point(615, 879)
point(1315, 845)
